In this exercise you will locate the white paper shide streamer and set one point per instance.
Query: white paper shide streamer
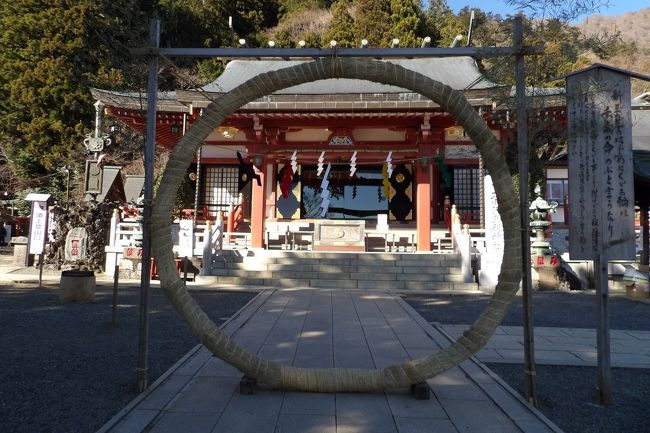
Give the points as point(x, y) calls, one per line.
point(319, 169)
point(353, 164)
point(325, 193)
point(294, 162)
point(389, 163)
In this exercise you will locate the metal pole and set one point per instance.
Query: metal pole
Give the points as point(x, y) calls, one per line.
point(40, 270)
point(149, 152)
point(116, 281)
point(197, 184)
point(67, 186)
point(522, 147)
point(602, 332)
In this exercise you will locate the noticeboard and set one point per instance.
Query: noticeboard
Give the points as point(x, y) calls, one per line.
point(601, 183)
point(38, 227)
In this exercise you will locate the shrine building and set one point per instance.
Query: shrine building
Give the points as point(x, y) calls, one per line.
point(386, 156)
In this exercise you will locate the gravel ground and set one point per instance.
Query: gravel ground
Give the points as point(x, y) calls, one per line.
point(566, 395)
point(66, 369)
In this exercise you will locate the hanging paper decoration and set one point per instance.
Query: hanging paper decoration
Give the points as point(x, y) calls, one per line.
point(325, 193)
point(386, 181)
point(246, 173)
point(389, 163)
point(354, 192)
point(287, 178)
point(321, 158)
point(353, 164)
point(294, 162)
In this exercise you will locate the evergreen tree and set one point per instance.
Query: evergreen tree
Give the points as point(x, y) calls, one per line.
point(441, 23)
point(373, 22)
point(407, 19)
point(341, 27)
point(51, 51)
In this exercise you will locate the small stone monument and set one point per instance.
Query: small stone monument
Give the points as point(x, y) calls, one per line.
point(546, 264)
point(75, 244)
point(77, 285)
point(492, 257)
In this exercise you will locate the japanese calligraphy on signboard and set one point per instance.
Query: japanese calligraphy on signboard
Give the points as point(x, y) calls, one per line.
point(601, 184)
point(38, 227)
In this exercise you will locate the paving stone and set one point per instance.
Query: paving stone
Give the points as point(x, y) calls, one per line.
point(236, 423)
point(205, 394)
point(301, 423)
point(406, 406)
point(515, 409)
point(308, 403)
point(218, 368)
point(195, 422)
point(365, 423)
point(359, 404)
point(555, 355)
point(485, 417)
point(192, 365)
point(454, 384)
point(135, 422)
point(424, 425)
point(165, 392)
point(264, 403)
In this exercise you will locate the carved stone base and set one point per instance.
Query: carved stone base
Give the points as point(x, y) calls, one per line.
point(420, 391)
point(247, 386)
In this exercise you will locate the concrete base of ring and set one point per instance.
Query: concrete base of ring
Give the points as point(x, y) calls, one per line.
point(77, 286)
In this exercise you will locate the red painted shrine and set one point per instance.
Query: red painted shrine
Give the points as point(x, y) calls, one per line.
point(383, 154)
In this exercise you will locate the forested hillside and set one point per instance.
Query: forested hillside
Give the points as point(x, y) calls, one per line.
point(632, 26)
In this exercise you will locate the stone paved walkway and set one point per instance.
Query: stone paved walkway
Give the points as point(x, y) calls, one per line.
point(562, 346)
point(319, 328)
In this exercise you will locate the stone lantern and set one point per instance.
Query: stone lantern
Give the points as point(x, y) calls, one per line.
point(546, 264)
point(539, 210)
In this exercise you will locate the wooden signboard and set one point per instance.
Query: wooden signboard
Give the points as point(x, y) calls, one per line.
point(601, 184)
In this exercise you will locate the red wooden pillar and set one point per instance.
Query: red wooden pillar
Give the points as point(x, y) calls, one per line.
point(435, 192)
point(258, 210)
point(423, 211)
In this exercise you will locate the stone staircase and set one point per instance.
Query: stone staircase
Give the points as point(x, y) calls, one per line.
point(339, 270)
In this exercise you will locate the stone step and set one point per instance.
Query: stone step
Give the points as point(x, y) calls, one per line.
point(293, 273)
point(396, 285)
point(273, 256)
point(367, 271)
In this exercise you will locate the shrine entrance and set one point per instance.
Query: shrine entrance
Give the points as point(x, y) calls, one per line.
point(334, 379)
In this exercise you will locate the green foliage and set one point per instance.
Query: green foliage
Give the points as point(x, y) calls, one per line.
point(209, 70)
point(290, 7)
point(193, 23)
point(341, 27)
point(441, 24)
point(407, 19)
point(51, 52)
point(373, 22)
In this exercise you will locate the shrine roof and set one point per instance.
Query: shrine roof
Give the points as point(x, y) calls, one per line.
point(167, 101)
point(460, 73)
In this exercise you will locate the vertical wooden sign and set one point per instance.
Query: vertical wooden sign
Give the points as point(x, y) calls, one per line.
point(601, 183)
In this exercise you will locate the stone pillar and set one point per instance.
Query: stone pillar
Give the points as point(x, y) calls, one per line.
point(423, 204)
point(492, 257)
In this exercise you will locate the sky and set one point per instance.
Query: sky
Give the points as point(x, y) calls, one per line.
point(617, 7)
